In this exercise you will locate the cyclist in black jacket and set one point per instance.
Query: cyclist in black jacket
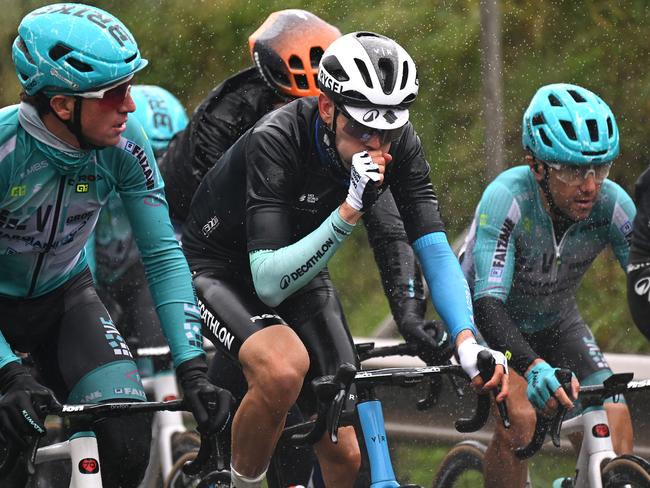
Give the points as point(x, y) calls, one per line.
point(286, 50)
point(267, 218)
point(638, 269)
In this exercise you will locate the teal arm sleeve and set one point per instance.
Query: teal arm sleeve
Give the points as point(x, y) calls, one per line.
point(168, 275)
point(277, 274)
point(448, 287)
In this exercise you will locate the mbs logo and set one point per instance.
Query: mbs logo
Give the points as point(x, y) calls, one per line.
point(89, 466)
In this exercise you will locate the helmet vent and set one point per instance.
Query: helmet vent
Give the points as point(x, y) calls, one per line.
point(538, 119)
point(408, 100)
point(301, 81)
point(131, 58)
point(568, 129)
point(295, 62)
point(594, 153)
point(387, 70)
point(332, 66)
point(79, 65)
point(592, 125)
point(545, 138)
point(554, 101)
point(610, 128)
point(356, 96)
point(58, 51)
point(576, 96)
point(363, 69)
point(23, 48)
point(405, 75)
point(315, 54)
point(278, 77)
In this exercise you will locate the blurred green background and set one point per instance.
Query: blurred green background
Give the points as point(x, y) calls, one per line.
point(192, 45)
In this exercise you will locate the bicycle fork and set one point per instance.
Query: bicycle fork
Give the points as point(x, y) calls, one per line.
point(375, 444)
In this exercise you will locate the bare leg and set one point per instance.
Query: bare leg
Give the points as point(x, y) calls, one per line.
point(339, 462)
point(501, 467)
point(275, 362)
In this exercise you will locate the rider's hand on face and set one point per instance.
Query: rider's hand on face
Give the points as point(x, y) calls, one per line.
point(366, 176)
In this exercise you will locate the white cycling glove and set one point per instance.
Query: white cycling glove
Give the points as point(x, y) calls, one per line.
point(364, 173)
point(467, 353)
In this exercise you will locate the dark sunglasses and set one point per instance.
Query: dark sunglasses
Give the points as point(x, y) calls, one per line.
point(110, 97)
point(364, 133)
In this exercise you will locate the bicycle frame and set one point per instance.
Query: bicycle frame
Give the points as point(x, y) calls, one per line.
point(81, 450)
point(162, 386)
point(596, 446)
point(372, 435)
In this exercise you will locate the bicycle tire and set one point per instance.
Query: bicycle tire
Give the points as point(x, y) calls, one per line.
point(185, 446)
point(626, 471)
point(465, 458)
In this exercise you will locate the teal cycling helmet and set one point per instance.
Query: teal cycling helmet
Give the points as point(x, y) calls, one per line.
point(161, 114)
point(70, 48)
point(568, 124)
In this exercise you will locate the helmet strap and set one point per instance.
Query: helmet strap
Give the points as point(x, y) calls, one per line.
point(327, 141)
point(74, 125)
point(557, 215)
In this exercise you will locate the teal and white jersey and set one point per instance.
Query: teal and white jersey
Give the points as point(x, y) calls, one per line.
point(50, 198)
point(511, 251)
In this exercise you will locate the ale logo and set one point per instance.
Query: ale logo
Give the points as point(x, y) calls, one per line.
point(642, 286)
point(371, 115)
point(89, 466)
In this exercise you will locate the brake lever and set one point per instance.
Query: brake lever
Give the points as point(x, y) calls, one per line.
point(486, 366)
point(334, 415)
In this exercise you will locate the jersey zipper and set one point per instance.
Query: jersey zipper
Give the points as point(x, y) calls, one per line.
point(55, 224)
point(558, 250)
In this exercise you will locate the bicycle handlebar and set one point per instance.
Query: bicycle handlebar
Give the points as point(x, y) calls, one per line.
point(595, 395)
point(331, 392)
point(89, 411)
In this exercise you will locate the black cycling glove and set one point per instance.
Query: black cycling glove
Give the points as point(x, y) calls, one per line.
point(210, 405)
point(432, 339)
point(24, 405)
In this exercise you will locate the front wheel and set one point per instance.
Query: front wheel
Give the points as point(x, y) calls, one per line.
point(626, 472)
point(462, 466)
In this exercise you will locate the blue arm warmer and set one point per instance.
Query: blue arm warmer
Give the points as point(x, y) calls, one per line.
point(277, 274)
point(447, 285)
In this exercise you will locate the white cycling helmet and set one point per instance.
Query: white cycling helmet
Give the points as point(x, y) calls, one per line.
point(371, 78)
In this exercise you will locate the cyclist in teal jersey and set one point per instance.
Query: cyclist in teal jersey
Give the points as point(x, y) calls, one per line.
point(117, 267)
point(536, 231)
point(63, 151)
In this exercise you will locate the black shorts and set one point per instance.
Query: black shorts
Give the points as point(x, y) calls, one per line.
point(232, 312)
point(569, 344)
point(76, 349)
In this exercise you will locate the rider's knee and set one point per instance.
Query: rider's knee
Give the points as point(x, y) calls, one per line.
point(284, 382)
point(124, 444)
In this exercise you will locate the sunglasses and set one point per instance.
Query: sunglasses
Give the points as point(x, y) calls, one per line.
point(364, 133)
point(576, 175)
point(110, 97)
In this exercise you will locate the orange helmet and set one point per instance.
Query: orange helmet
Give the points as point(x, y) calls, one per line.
point(287, 49)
